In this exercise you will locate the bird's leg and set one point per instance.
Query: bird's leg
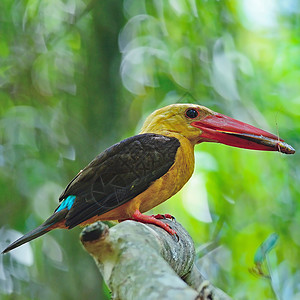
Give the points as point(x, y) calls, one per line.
point(164, 216)
point(138, 216)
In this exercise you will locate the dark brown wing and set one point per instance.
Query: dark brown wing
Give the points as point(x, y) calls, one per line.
point(119, 174)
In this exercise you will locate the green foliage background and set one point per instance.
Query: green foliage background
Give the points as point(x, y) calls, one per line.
point(78, 76)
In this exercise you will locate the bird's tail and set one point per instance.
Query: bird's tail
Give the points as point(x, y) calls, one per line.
point(48, 225)
point(42, 229)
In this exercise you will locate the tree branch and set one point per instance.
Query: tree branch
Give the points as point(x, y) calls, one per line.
point(142, 261)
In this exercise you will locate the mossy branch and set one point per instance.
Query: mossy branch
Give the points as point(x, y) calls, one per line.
point(142, 261)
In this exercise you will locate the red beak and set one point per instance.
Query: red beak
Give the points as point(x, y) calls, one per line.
point(222, 129)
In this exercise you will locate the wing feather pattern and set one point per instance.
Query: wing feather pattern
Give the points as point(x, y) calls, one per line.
point(119, 174)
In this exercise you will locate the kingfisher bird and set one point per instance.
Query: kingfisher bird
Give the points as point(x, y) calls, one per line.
point(140, 172)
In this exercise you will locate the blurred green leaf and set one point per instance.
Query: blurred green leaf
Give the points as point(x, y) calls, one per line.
point(262, 251)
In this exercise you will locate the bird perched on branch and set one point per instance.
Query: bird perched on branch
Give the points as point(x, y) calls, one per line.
point(140, 172)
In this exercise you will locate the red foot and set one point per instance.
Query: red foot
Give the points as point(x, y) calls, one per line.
point(164, 216)
point(138, 216)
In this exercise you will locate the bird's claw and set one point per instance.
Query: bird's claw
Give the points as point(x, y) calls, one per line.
point(164, 216)
point(173, 232)
point(155, 219)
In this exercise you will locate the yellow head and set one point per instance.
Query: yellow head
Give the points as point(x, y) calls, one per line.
point(175, 118)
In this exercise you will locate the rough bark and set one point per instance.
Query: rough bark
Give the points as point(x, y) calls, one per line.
point(142, 261)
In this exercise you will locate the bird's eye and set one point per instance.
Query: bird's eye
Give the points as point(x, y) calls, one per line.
point(191, 113)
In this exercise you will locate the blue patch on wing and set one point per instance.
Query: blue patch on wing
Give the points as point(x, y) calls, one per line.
point(67, 203)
